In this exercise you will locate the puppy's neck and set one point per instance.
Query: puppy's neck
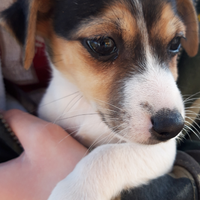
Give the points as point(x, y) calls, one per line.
point(62, 99)
point(65, 105)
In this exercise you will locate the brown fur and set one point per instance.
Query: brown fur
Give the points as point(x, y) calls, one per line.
point(78, 66)
point(168, 25)
point(191, 44)
point(113, 20)
point(31, 31)
point(83, 70)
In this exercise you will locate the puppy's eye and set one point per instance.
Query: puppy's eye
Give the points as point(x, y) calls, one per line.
point(103, 46)
point(175, 45)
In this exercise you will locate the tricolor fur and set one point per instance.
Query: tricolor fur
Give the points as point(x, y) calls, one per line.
point(114, 98)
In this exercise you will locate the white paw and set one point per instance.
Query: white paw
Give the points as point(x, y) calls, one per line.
point(68, 190)
point(108, 169)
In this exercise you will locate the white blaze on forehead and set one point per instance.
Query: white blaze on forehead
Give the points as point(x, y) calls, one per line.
point(155, 87)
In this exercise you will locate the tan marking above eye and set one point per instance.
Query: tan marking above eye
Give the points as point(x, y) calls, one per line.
point(95, 79)
point(72, 60)
point(168, 26)
point(115, 19)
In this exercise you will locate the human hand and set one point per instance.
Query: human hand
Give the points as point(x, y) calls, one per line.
point(50, 154)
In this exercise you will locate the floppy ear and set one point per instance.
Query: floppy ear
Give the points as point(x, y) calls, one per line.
point(20, 19)
point(187, 13)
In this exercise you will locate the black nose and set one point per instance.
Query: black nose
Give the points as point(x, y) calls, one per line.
point(166, 124)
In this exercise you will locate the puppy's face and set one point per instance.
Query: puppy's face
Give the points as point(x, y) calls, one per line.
point(123, 59)
point(122, 56)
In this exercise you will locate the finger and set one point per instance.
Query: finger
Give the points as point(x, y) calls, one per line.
point(38, 136)
point(9, 138)
point(26, 127)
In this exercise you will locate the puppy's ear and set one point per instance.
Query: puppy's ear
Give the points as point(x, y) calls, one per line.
point(187, 13)
point(20, 19)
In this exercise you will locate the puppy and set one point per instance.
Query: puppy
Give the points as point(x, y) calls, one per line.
point(113, 84)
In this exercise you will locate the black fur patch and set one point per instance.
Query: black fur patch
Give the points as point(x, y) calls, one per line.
point(68, 14)
point(16, 16)
point(152, 13)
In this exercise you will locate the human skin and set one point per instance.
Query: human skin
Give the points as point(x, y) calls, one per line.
point(50, 154)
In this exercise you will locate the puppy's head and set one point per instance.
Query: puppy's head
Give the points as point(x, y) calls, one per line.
point(120, 53)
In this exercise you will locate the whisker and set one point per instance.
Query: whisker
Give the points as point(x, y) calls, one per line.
point(69, 134)
point(181, 136)
point(192, 113)
point(59, 99)
point(112, 136)
point(124, 136)
point(192, 126)
point(190, 100)
point(75, 131)
point(191, 96)
point(191, 130)
point(109, 104)
point(117, 134)
point(75, 103)
point(96, 142)
point(194, 107)
point(107, 109)
point(58, 117)
point(80, 115)
point(193, 122)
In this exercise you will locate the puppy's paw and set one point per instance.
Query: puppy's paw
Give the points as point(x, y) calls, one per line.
point(69, 190)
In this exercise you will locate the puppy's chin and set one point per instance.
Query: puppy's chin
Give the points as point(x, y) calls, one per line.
point(154, 141)
point(148, 138)
point(149, 141)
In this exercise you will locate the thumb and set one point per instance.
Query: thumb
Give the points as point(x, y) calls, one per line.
point(37, 136)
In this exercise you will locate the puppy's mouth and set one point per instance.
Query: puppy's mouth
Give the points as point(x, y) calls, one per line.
point(163, 125)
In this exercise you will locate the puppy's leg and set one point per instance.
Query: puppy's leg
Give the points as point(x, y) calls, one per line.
point(110, 168)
